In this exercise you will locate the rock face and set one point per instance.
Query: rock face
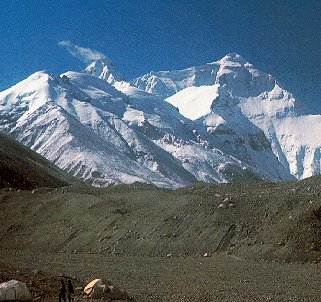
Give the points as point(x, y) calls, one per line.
point(236, 102)
point(223, 122)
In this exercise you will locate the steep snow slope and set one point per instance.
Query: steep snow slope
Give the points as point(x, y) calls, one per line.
point(295, 139)
point(195, 102)
point(102, 135)
point(244, 97)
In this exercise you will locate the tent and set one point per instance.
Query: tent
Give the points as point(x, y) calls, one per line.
point(91, 285)
point(14, 290)
point(97, 289)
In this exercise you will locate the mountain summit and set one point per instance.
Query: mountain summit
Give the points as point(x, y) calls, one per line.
point(233, 57)
point(105, 70)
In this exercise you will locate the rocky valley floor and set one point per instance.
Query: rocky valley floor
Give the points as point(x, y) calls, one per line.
point(261, 241)
point(216, 278)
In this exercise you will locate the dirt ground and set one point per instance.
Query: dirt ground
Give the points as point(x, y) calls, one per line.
point(215, 278)
point(264, 244)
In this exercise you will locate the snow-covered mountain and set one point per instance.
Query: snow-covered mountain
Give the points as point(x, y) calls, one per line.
point(106, 131)
point(107, 135)
point(231, 99)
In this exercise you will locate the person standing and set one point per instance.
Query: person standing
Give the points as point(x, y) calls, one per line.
point(70, 291)
point(62, 291)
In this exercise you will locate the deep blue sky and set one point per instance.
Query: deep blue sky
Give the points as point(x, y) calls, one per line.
point(278, 37)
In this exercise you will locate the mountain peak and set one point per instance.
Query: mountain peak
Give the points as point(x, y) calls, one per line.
point(104, 69)
point(233, 57)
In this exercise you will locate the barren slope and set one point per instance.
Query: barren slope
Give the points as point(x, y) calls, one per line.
point(267, 221)
point(23, 168)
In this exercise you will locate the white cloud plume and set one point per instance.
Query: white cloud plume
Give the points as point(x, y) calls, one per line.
point(86, 55)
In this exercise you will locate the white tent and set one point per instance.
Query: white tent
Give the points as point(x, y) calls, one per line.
point(97, 289)
point(92, 284)
point(14, 290)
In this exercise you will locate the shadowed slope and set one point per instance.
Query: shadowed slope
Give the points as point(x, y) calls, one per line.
point(23, 168)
